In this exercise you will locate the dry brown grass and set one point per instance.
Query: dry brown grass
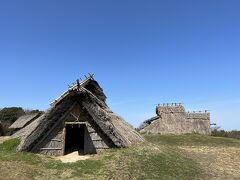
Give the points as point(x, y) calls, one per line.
point(218, 162)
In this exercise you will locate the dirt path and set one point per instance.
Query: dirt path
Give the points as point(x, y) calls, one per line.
point(4, 138)
point(73, 157)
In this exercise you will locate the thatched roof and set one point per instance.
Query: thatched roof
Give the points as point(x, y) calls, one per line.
point(147, 122)
point(173, 119)
point(199, 115)
point(23, 121)
point(90, 95)
point(170, 109)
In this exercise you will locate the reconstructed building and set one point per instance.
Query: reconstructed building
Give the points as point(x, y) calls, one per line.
point(172, 118)
point(79, 120)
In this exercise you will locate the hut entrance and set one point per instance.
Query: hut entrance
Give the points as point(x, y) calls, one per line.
point(74, 140)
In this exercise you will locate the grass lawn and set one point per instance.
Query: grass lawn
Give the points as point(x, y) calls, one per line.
point(160, 157)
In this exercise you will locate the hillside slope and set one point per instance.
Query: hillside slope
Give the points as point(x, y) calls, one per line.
point(160, 157)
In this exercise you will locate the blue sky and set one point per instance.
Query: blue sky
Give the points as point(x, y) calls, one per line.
point(142, 53)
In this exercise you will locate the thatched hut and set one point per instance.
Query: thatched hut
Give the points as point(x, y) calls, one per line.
point(23, 121)
point(173, 119)
point(78, 120)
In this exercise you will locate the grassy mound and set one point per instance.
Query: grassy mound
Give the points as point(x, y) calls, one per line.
point(160, 157)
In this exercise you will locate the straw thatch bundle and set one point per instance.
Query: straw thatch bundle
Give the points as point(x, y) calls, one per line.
point(24, 121)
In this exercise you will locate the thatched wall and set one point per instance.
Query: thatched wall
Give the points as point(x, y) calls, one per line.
point(199, 122)
point(175, 120)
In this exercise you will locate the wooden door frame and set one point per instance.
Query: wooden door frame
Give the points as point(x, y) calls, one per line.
point(65, 134)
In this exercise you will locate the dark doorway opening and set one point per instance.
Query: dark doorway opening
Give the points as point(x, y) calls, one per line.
point(74, 140)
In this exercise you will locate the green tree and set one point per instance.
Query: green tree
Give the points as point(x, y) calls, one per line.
point(8, 116)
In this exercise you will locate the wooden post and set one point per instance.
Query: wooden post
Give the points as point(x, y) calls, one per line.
point(63, 140)
point(91, 75)
point(78, 83)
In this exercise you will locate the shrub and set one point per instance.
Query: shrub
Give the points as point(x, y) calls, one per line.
point(8, 116)
point(222, 133)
